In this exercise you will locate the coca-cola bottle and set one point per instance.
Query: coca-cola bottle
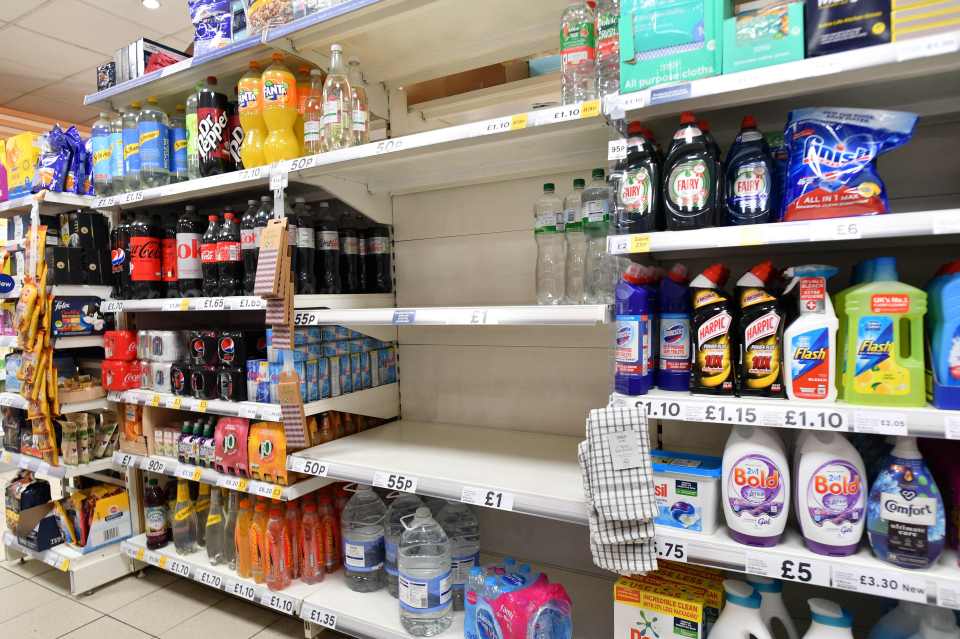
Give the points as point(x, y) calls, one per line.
point(189, 270)
point(361, 225)
point(305, 276)
point(234, 134)
point(213, 123)
point(120, 258)
point(146, 265)
point(229, 260)
point(208, 258)
point(248, 246)
point(262, 218)
point(168, 256)
point(349, 256)
point(379, 270)
point(328, 251)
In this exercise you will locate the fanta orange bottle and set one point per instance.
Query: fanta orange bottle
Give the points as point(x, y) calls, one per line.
point(241, 538)
point(279, 90)
point(250, 108)
point(258, 544)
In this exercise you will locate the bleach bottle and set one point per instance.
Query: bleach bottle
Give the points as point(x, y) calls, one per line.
point(943, 326)
point(673, 300)
point(828, 621)
point(740, 618)
point(810, 339)
point(772, 609)
point(634, 348)
point(750, 195)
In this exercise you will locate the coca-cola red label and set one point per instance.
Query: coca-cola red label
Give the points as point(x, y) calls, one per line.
point(146, 261)
point(212, 124)
point(248, 239)
point(188, 256)
point(169, 259)
point(228, 251)
point(208, 252)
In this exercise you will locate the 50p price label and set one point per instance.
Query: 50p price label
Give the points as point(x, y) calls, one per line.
point(395, 481)
point(487, 497)
point(308, 466)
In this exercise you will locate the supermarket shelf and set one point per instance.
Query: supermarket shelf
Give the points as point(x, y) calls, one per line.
point(918, 224)
point(12, 399)
point(103, 292)
point(531, 473)
point(382, 401)
point(571, 315)
point(81, 407)
point(41, 467)
point(51, 203)
point(172, 467)
point(87, 571)
point(915, 58)
point(78, 341)
point(800, 414)
point(246, 303)
point(8, 341)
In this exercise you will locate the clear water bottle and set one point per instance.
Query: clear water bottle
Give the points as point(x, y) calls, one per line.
point(601, 269)
point(215, 529)
point(230, 530)
point(361, 107)
point(131, 147)
point(116, 152)
point(184, 521)
point(405, 504)
point(578, 53)
point(424, 563)
point(102, 163)
point(153, 127)
point(193, 153)
point(573, 290)
point(463, 531)
point(337, 104)
point(551, 248)
point(362, 528)
point(608, 47)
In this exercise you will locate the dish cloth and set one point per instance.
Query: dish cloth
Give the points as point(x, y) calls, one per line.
point(618, 485)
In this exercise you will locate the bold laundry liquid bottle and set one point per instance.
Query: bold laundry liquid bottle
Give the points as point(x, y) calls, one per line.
point(756, 486)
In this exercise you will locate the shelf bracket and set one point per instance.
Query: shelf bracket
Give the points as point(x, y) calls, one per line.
point(376, 206)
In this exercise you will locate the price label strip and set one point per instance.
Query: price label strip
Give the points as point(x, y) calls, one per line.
point(487, 497)
point(233, 483)
point(779, 566)
point(153, 465)
point(188, 472)
point(817, 419)
point(880, 422)
point(873, 581)
point(395, 481)
point(661, 409)
point(208, 578)
point(320, 616)
point(125, 460)
point(308, 466)
point(179, 568)
point(241, 589)
point(671, 550)
point(280, 602)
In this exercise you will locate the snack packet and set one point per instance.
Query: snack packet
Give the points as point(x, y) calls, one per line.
point(75, 173)
point(212, 24)
point(53, 163)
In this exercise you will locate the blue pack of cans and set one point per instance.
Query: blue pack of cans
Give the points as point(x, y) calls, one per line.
point(366, 378)
point(832, 160)
point(312, 370)
point(341, 381)
point(330, 349)
point(333, 333)
point(323, 377)
point(356, 371)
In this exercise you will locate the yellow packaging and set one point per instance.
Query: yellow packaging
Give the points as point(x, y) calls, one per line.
point(706, 587)
point(645, 608)
point(267, 452)
point(20, 161)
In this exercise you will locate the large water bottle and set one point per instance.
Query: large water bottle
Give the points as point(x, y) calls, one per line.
point(608, 47)
point(362, 529)
point(576, 269)
point(131, 147)
point(405, 504)
point(102, 164)
point(153, 127)
point(424, 563)
point(578, 53)
point(601, 269)
point(463, 530)
point(551, 248)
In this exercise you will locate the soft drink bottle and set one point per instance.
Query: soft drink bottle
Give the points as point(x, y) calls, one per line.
point(279, 91)
point(551, 248)
point(213, 122)
point(329, 533)
point(306, 273)
point(202, 510)
point(423, 561)
point(178, 145)
point(131, 147)
point(234, 135)
point(362, 526)
point(277, 553)
point(153, 128)
point(214, 527)
point(168, 257)
point(578, 53)
point(229, 262)
point(261, 219)
point(379, 268)
point(184, 521)
point(189, 266)
point(241, 540)
point(230, 530)
point(258, 543)
point(155, 515)
point(193, 157)
point(250, 109)
point(303, 92)
point(313, 114)
point(327, 240)
point(102, 160)
point(116, 152)
point(145, 258)
point(292, 515)
point(248, 246)
point(312, 567)
point(292, 232)
point(576, 269)
point(120, 258)
point(363, 229)
point(349, 256)
point(337, 104)
point(208, 258)
point(360, 115)
point(608, 47)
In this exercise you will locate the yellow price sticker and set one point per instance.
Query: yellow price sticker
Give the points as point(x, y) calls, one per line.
point(177, 403)
point(140, 553)
point(277, 491)
point(162, 563)
point(6, 457)
point(242, 485)
point(196, 474)
point(751, 236)
point(202, 406)
point(64, 566)
point(185, 304)
point(518, 121)
point(590, 109)
point(640, 243)
point(155, 400)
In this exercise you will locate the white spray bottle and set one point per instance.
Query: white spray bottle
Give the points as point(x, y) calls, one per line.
point(772, 607)
point(810, 341)
point(740, 618)
point(829, 621)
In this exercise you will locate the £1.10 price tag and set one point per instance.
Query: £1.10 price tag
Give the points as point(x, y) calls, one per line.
point(319, 616)
point(778, 566)
point(395, 481)
point(487, 497)
point(279, 602)
point(241, 589)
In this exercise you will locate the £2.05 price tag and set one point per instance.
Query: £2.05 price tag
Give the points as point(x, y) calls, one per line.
point(487, 497)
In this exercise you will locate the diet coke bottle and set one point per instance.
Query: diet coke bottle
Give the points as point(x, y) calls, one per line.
point(248, 246)
point(189, 271)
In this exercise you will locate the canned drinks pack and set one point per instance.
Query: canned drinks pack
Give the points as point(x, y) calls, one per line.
point(120, 375)
point(120, 345)
point(204, 382)
point(180, 378)
point(258, 380)
point(160, 376)
point(166, 346)
point(203, 348)
point(231, 384)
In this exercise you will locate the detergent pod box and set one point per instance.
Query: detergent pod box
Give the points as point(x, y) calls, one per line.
point(668, 41)
point(771, 34)
point(833, 26)
point(687, 490)
point(657, 609)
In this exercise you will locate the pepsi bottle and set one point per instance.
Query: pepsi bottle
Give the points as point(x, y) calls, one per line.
point(305, 277)
point(248, 246)
point(145, 259)
point(189, 270)
point(120, 258)
point(379, 268)
point(349, 256)
point(208, 258)
point(327, 256)
point(229, 263)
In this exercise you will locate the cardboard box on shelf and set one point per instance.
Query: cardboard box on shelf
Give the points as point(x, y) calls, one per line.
point(841, 25)
point(761, 37)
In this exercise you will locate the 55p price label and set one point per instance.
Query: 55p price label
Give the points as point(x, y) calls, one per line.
point(487, 497)
point(395, 481)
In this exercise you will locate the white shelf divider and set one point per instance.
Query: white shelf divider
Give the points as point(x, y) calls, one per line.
point(44, 469)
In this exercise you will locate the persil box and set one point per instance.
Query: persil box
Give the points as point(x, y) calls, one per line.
point(687, 490)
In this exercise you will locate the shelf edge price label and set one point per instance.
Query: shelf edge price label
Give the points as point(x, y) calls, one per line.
point(800, 569)
point(671, 550)
point(831, 230)
point(208, 578)
point(880, 422)
point(836, 420)
point(590, 109)
point(179, 568)
point(124, 459)
point(233, 483)
point(395, 481)
point(896, 585)
point(111, 306)
point(487, 497)
point(279, 602)
point(242, 589)
point(617, 149)
point(309, 467)
point(187, 472)
point(319, 616)
point(153, 465)
point(201, 406)
point(951, 426)
point(518, 121)
point(661, 409)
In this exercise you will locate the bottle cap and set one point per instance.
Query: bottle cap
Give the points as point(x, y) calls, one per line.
point(336, 47)
point(597, 174)
point(253, 64)
point(949, 268)
point(717, 273)
point(634, 128)
point(704, 125)
point(310, 507)
point(678, 274)
point(152, 99)
point(635, 274)
point(741, 593)
point(548, 187)
point(244, 503)
point(304, 69)
point(763, 270)
point(212, 218)
point(748, 122)
point(324, 500)
point(228, 215)
point(260, 507)
point(212, 79)
point(827, 613)
point(579, 183)
point(688, 118)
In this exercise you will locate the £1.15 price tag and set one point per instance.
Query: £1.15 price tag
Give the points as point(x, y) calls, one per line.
point(487, 497)
point(778, 566)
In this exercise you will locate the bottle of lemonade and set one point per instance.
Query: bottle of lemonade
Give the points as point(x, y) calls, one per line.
point(250, 108)
point(279, 91)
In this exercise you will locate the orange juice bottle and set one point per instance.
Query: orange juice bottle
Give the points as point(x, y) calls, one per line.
point(293, 517)
point(278, 88)
point(250, 108)
point(258, 543)
point(241, 538)
point(277, 552)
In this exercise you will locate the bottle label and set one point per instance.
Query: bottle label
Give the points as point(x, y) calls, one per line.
point(248, 96)
point(156, 520)
point(594, 211)
point(460, 567)
point(378, 245)
point(235, 140)
point(810, 364)
point(331, 112)
point(714, 363)
point(208, 252)
point(921, 511)
point(169, 259)
point(328, 241)
point(305, 237)
point(257, 234)
point(674, 343)
point(417, 595)
point(311, 130)
point(704, 296)
point(631, 344)
point(836, 500)
point(188, 256)
point(360, 119)
point(577, 43)
point(390, 557)
point(277, 93)
point(350, 246)
point(213, 520)
point(131, 150)
point(752, 296)
point(228, 251)
point(636, 192)
point(608, 35)
point(545, 222)
point(571, 220)
point(183, 512)
point(291, 232)
point(178, 144)
point(212, 124)
point(191, 134)
point(689, 185)
point(248, 239)
point(116, 155)
point(761, 357)
point(751, 187)
point(102, 158)
point(756, 492)
point(145, 259)
point(363, 556)
point(877, 371)
point(154, 146)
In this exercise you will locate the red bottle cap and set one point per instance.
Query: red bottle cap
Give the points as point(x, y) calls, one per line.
point(212, 79)
point(949, 268)
point(748, 122)
point(245, 503)
point(635, 128)
point(763, 270)
point(212, 218)
point(276, 512)
point(635, 274)
point(688, 117)
point(228, 215)
point(261, 507)
point(309, 507)
point(717, 273)
point(678, 274)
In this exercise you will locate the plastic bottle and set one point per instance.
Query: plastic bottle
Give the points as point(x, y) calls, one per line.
point(178, 146)
point(248, 246)
point(943, 327)
point(828, 621)
point(120, 258)
point(131, 147)
point(303, 92)
point(277, 551)
point(208, 258)
point(168, 255)
point(576, 241)
point(250, 110)
point(689, 179)
point(748, 178)
point(379, 260)
point(937, 623)
point(193, 157)
point(551, 248)
point(312, 568)
point(258, 543)
point(362, 525)
point(423, 561)
point(759, 333)
point(279, 92)
point(772, 609)
point(473, 592)
point(116, 152)
point(102, 147)
point(229, 259)
point(740, 618)
point(215, 529)
point(293, 516)
point(405, 504)
point(755, 486)
point(810, 339)
point(673, 321)
point(712, 334)
point(601, 268)
point(349, 256)
point(463, 531)
point(155, 515)
point(327, 241)
point(201, 509)
point(608, 47)
point(153, 129)
point(329, 532)
point(712, 145)
point(213, 124)
point(313, 115)
point(360, 106)
point(634, 351)
point(337, 104)
point(638, 193)
point(241, 540)
point(578, 53)
point(230, 530)
point(305, 278)
point(900, 622)
point(146, 263)
point(184, 521)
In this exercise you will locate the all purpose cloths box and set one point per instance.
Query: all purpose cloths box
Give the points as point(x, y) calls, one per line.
point(771, 34)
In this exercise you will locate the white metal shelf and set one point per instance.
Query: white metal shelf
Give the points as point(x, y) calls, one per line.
point(558, 315)
point(917, 224)
point(8, 341)
point(50, 202)
point(87, 571)
point(82, 407)
point(246, 303)
point(77, 341)
point(42, 468)
point(13, 399)
point(174, 468)
point(73, 290)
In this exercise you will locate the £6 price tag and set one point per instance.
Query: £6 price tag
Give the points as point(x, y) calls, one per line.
point(487, 497)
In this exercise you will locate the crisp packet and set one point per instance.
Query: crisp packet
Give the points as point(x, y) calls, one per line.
point(74, 180)
point(212, 25)
point(832, 169)
point(53, 163)
point(88, 168)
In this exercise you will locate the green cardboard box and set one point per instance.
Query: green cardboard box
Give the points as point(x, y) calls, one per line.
point(669, 41)
point(759, 38)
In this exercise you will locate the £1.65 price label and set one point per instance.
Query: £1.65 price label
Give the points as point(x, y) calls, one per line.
point(671, 550)
point(395, 481)
point(777, 566)
point(881, 582)
point(279, 602)
point(487, 497)
point(319, 616)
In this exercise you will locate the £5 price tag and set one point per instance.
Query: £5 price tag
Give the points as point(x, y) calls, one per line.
point(778, 566)
point(487, 497)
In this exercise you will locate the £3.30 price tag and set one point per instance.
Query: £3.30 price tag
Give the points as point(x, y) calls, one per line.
point(395, 481)
point(319, 616)
point(777, 566)
point(487, 497)
point(881, 582)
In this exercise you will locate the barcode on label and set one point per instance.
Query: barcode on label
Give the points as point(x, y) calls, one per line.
point(111, 533)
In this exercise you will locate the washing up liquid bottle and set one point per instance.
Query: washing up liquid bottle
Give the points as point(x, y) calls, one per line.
point(937, 623)
point(810, 339)
point(740, 618)
point(749, 192)
point(634, 349)
point(828, 621)
point(943, 325)
point(759, 334)
point(900, 622)
point(772, 609)
point(755, 486)
point(905, 517)
point(712, 334)
point(690, 176)
point(884, 340)
point(673, 302)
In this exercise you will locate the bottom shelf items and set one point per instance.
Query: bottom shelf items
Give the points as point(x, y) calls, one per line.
point(87, 571)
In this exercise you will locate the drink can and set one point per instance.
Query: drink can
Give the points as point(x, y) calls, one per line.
point(180, 378)
point(120, 345)
point(203, 348)
point(143, 345)
point(231, 384)
point(160, 376)
point(166, 346)
point(203, 382)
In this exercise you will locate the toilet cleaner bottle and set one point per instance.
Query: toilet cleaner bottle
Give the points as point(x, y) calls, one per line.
point(713, 333)
point(759, 334)
point(772, 609)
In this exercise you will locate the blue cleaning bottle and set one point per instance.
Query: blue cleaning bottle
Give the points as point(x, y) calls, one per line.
point(673, 331)
point(749, 180)
point(634, 347)
point(943, 325)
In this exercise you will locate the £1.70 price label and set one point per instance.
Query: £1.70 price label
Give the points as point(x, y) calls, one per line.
point(208, 578)
point(777, 566)
point(319, 616)
point(487, 497)
point(179, 568)
point(395, 481)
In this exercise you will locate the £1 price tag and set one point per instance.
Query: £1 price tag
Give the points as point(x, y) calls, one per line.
point(487, 497)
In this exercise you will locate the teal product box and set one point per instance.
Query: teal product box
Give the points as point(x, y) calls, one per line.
point(312, 370)
point(669, 41)
point(323, 377)
point(762, 37)
point(356, 371)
